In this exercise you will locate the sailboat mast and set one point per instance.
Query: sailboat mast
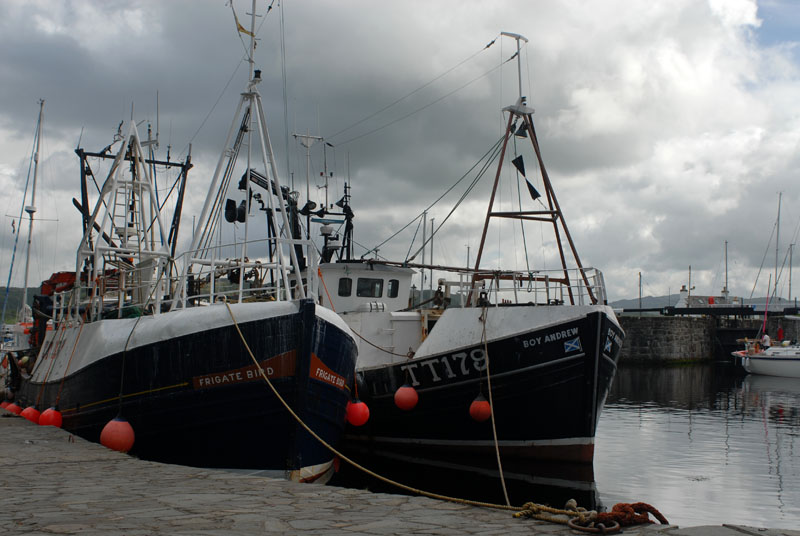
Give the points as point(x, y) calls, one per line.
point(777, 242)
point(31, 209)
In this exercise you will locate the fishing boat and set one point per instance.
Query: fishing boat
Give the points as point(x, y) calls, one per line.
point(514, 361)
point(218, 356)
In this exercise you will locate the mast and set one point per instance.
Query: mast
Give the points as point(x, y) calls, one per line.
point(725, 290)
point(791, 247)
point(249, 121)
point(31, 210)
point(552, 213)
point(777, 240)
point(307, 141)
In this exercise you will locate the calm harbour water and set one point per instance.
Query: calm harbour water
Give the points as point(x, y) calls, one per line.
point(702, 445)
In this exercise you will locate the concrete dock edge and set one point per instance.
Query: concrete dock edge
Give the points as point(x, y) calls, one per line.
point(56, 483)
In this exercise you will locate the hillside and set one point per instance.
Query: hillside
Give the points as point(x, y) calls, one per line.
point(658, 302)
point(648, 302)
point(14, 301)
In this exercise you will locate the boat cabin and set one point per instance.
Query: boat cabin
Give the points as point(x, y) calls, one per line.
point(359, 286)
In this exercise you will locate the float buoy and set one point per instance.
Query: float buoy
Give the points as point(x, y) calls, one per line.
point(4, 403)
point(31, 413)
point(14, 408)
point(406, 397)
point(480, 410)
point(357, 413)
point(50, 417)
point(117, 435)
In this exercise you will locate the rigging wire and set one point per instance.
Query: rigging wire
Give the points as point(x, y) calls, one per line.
point(495, 152)
point(227, 84)
point(763, 259)
point(285, 91)
point(519, 200)
point(19, 227)
point(493, 148)
point(448, 71)
point(413, 239)
point(446, 95)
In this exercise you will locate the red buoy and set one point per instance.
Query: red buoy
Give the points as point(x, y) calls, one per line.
point(406, 397)
point(50, 417)
point(31, 413)
point(13, 408)
point(480, 410)
point(117, 435)
point(357, 413)
point(4, 404)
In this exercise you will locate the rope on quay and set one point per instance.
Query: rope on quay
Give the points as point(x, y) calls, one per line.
point(573, 516)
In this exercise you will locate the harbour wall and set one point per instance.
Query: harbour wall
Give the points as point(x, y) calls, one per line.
point(650, 339)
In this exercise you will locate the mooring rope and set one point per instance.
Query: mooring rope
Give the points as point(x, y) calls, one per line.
point(341, 455)
point(573, 516)
point(483, 318)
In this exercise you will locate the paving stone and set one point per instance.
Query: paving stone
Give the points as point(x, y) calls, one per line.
point(56, 483)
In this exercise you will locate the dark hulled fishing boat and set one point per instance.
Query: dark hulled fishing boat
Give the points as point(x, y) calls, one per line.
point(519, 361)
point(179, 345)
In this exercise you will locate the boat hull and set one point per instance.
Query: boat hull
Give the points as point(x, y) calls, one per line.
point(773, 365)
point(548, 385)
point(191, 390)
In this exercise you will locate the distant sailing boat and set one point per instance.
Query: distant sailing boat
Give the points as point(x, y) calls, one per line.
point(15, 337)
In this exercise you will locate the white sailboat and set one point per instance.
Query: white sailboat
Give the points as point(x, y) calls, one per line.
point(16, 336)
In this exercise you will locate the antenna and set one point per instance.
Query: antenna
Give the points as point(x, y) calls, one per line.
point(518, 38)
point(158, 130)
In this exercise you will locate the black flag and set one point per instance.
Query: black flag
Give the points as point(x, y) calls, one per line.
point(519, 164)
point(534, 193)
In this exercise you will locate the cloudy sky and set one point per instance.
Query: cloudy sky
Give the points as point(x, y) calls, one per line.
point(667, 127)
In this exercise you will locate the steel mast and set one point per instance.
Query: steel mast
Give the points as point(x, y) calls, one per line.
point(552, 214)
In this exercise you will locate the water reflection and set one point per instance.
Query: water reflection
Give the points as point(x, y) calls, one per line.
point(475, 478)
point(701, 445)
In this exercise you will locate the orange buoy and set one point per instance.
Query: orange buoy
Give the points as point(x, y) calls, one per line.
point(31, 413)
point(117, 435)
point(406, 397)
point(480, 410)
point(14, 408)
point(357, 413)
point(50, 417)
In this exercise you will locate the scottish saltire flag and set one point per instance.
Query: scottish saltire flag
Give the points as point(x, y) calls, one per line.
point(573, 345)
point(607, 347)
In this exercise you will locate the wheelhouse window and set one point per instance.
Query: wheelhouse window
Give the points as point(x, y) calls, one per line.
point(394, 288)
point(345, 286)
point(369, 288)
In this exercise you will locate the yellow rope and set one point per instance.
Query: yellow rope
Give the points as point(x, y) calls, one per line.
point(342, 456)
point(530, 509)
point(484, 317)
